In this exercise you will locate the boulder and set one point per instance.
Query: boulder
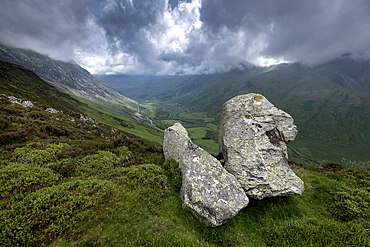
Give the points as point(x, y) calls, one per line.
point(211, 193)
point(51, 110)
point(25, 103)
point(252, 136)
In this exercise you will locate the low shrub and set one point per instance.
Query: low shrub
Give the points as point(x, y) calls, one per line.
point(35, 156)
point(149, 176)
point(18, 180)
point(95, 164)
point(150, 182)
point(51, 211)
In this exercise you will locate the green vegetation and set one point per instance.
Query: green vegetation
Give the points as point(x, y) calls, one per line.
point(105, 199)
point(24, 84)
point(120, 119)
point(69, 182)
point(200, 126)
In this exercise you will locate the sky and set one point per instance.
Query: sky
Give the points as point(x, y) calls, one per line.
point(166, 37)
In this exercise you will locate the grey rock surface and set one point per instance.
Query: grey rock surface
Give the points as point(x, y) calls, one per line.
point(252, 136)
point(86, 118)
point(51, 110)
point(212, 194)
point(25, 103)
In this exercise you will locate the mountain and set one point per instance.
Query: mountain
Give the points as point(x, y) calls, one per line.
point(330, 102)
point(68, 76)
point(98, 100)
point(67, 180)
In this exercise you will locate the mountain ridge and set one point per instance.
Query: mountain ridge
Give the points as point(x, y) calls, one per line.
point(96, 99)
point(68, 76)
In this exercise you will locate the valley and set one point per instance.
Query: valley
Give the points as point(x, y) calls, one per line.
point(202, 129)
point(329, 103)
point(87, 174)
point(112, 112)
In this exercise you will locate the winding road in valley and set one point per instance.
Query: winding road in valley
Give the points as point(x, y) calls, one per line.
point(138, 110)
point(304, 158)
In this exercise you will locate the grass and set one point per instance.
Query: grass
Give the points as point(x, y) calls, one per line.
point(99, 186)
point(106, 201)
point(323, 152)
point(67, 182)
point(120, 120)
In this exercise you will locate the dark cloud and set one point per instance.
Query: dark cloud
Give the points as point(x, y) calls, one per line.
point(304, 31)
point(127, 25)
point(44, 26)
point(174, 3)
point(187, 36)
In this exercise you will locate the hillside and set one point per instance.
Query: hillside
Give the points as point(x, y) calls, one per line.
point(67, 76)
point(330, 103)
point(99, 102)
point(67, 180)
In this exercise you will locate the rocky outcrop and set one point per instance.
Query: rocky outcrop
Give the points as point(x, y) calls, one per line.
point(25, 103)
point(86, 118)
point(252, 136)
point(51, 110)
point(212, 194)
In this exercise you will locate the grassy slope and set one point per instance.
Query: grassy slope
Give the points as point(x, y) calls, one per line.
point(118, 119)
point(66, 182)
point(24, 84)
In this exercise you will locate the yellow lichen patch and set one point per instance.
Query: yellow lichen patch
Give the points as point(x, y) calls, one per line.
point(258, 97)
point(236, 97)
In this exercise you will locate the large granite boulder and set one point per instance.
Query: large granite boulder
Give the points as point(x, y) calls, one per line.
point(252, 136)
point(212, 194)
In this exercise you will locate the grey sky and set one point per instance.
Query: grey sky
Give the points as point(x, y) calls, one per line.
point(187, 37)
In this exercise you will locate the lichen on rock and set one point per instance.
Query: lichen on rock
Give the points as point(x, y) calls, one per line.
point(252, 136)
point(211, 193)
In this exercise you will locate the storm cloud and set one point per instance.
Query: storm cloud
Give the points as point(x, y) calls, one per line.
point(187, 37)
point(49, 28)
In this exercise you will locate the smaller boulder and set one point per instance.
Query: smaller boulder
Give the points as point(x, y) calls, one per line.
point(211, 193)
